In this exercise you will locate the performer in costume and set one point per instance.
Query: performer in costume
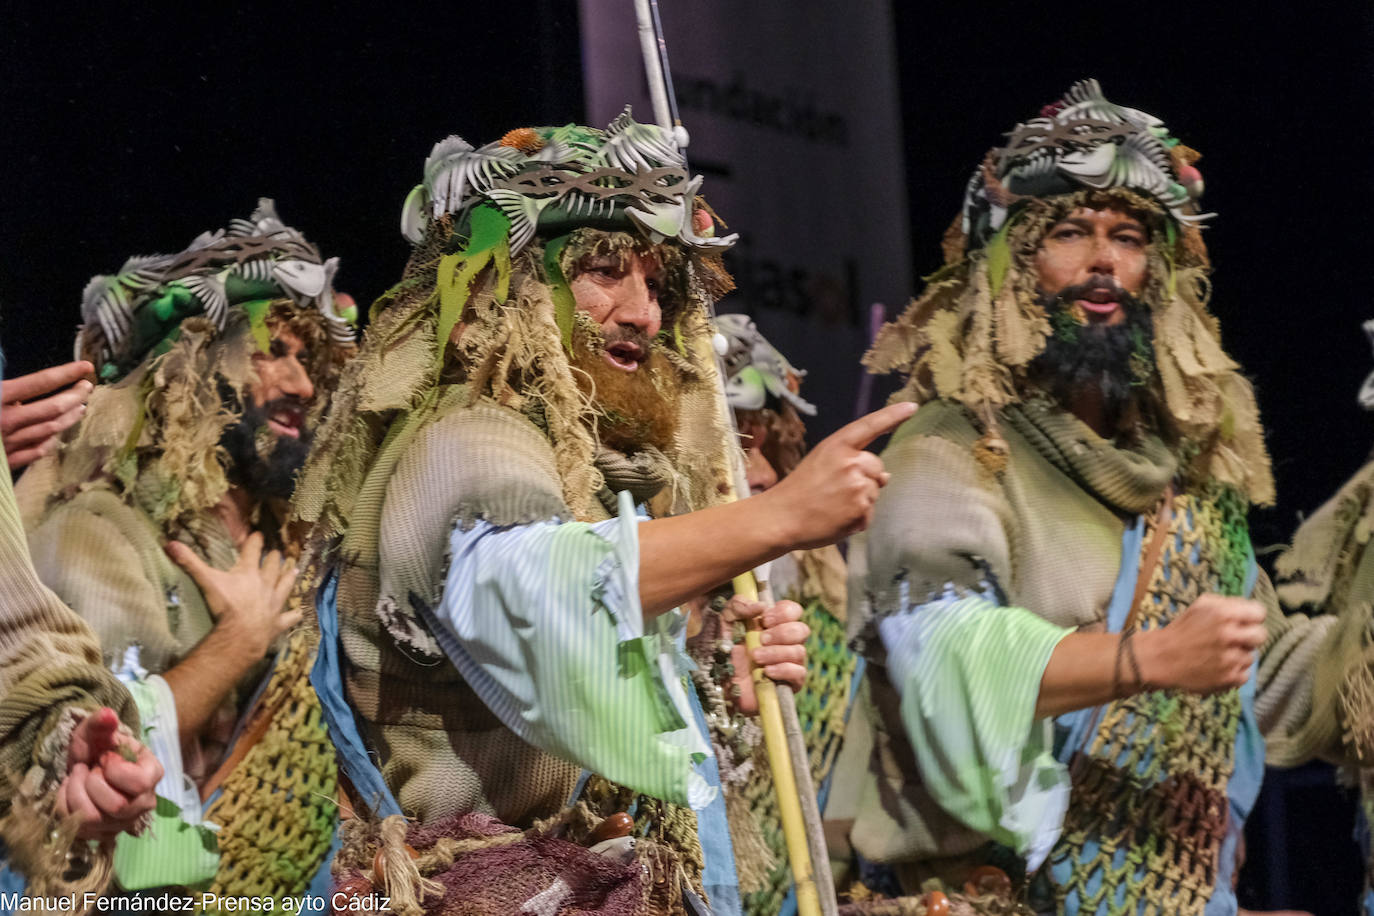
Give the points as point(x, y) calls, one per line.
point(1056, 583)
point(1329, 570)
point(763, 389)
point(506, 623)
point(164, 531)
point(67, 726)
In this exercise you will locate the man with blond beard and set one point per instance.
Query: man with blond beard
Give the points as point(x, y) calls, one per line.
point(523, 477)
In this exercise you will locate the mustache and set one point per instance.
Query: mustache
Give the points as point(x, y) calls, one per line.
point(1094, 283)
point(627, 334)
point(285, 402)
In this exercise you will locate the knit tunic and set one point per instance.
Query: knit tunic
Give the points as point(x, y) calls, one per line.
point(49, 665)
point(50, 672)
point(955, 558)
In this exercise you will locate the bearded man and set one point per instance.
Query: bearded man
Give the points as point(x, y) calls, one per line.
point(507, 634)
point(1058, 582)
point(164, 531)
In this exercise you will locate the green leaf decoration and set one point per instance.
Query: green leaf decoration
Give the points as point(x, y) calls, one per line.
point(1170, 247)
point(999, 257)
point(564, 305)
point(489, 239)
point(257, 310)
point(678, 342)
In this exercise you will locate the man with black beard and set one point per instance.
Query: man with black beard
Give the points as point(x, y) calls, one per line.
point(1111, 359)
point(165, 525)
point(1057, 586)
point(262, 460)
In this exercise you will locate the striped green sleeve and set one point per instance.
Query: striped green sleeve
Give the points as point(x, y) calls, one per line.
point(968, 671)
point(544, 623)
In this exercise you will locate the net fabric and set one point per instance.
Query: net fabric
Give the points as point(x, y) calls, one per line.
point(1149, 807)
point(277, 807)
point(473, 865)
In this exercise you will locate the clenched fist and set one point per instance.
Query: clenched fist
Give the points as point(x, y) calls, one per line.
point(830, 495)
point(782, 655)
point(110, 778)
point(1208, 648)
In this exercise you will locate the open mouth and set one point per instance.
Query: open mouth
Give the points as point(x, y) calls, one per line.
point(1101, 302)
point(624, 355)
point(286, 422)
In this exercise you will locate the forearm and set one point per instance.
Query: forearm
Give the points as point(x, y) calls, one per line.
point(201, 681)
point(686, 555)
point(1089, 669)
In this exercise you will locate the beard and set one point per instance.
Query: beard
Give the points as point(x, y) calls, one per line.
point(262, 462)
point(633, 409)
point(1117, 360)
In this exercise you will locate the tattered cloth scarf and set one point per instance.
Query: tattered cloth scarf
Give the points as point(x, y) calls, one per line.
point(644, 474)
point(1128, 480)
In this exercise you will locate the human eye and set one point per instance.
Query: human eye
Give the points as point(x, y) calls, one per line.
point(1131, 238)
point(1067, 232)
point(277, 349)
point(606, 268)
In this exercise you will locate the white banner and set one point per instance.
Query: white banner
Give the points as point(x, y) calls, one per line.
point(792, 108)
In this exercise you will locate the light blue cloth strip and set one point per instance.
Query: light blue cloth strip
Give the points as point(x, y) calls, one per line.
point(1071, 728)
point(719, 877)
point(327, 679)
point(1245, 782)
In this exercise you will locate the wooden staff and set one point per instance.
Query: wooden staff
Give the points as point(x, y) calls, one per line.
point(788, 759)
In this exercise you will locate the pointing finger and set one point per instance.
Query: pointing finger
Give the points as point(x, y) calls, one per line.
point(740, 609)
point(864, 430)
point(288, 620)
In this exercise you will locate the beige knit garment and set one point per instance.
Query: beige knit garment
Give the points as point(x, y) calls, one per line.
point(106, 560)
point(1329, 572)
point(1051, 547)
point(440, 749)
point(49, 663)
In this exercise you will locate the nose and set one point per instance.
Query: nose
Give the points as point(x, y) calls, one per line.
point(759, 471)
point(294, 380)
point(637, 306)
point(1103, 258)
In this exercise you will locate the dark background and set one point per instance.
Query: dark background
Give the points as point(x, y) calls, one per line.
point(131, 130)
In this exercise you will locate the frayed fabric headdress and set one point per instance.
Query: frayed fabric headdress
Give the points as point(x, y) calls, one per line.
point(485, 300)
point(254, 261)
point(973, 333)
point(170, 335)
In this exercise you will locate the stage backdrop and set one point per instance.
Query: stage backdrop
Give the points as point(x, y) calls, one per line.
point(794, 119)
